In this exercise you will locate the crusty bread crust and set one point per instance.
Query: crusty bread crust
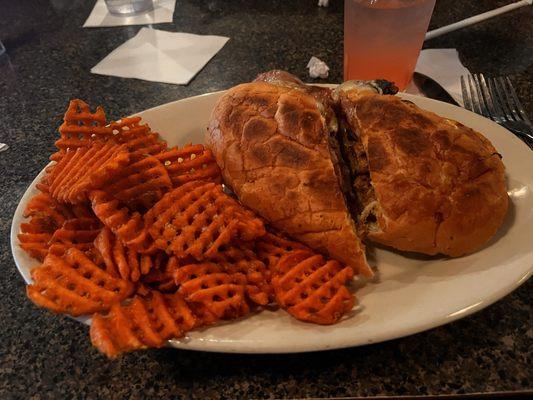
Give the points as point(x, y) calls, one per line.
point(439, 185)
point(272, 146)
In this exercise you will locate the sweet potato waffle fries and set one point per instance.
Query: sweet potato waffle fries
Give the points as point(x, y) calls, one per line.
point(144, 239)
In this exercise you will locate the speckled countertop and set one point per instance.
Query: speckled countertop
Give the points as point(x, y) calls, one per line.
point(50, 55)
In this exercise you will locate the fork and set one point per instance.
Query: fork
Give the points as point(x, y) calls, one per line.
point(495, 98)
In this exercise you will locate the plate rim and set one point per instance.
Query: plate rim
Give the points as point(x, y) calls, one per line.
point(199, 344)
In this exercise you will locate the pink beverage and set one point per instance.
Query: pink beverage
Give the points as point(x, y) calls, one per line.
point(383, 38)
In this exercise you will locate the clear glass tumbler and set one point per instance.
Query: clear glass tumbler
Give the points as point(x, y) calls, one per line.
point(129, 7)
point(383, 38)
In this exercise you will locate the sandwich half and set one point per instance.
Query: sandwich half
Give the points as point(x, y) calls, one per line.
point(423, 183)
point(271, 138)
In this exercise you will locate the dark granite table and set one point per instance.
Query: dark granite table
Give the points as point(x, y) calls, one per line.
point(50, 55)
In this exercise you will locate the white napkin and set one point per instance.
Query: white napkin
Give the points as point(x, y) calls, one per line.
point(317, 68)
point(163, 12)
point(444, 67)
point(160, 56)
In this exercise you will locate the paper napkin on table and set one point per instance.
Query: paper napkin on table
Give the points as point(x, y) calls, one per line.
point(163, 12)
point(161, 56)
point(444, 67)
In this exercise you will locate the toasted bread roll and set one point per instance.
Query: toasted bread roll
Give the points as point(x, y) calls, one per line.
point(425, 183)
point(271, 141)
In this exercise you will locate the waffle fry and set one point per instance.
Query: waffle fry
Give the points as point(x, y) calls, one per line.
point(138, 138)
point(76, 233)
point(244, 260)
point(123, 262)
point(46, 217)
point(141, 322)
point(73, 284)
point(138, 185)
point(77, 230)
point(73, 176)
point(104, 245)
point(81, 128)
point(312, 289)
point(197, 218)
point(83, 210)
point(127, 226)
point(190, 163)
point(204, 317)
point(249, 226)
point(221, 294)
point(45, 206)
point(271, 247)
point(161, 276)
point(51, 214)
point(44, 185)
point(33, 241)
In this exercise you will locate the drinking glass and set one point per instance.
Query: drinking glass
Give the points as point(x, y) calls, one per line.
point(383, 38)
point(128, 7)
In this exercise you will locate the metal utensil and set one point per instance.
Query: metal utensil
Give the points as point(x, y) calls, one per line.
point(495, 98)
point(3, 147)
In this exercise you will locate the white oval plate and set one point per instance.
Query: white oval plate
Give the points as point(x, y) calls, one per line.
point(412, 294)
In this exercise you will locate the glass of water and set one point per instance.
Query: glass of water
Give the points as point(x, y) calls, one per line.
point(129, 7)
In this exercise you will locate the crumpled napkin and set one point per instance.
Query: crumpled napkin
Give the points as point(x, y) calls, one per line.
point(161, 56)
point(163, 12)
point(317, 68)
point(444, 67)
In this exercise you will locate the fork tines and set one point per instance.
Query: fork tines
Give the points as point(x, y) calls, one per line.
point(495, 98)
